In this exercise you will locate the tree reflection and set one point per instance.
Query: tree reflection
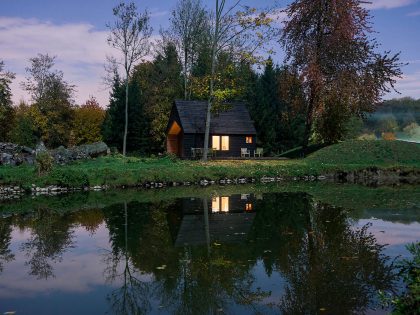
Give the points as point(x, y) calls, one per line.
point(50, 238)
point(134, 294)
point(333, 267)
point(6, 254)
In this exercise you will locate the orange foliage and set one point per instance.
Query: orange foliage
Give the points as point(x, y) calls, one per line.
point(389, 136)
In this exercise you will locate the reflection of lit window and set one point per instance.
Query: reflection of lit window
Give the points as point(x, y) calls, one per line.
point(244, 196)
point(220, 204)
point(216, 142)
point(248, 139)
point(225, 204)
point(248, 207)
point(215, 204)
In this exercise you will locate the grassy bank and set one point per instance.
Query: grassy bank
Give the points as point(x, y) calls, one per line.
point(117, 171)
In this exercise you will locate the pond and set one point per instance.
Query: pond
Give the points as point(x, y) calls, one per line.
point(247, 250)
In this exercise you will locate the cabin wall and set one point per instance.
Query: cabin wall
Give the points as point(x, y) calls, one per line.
point(236, 142)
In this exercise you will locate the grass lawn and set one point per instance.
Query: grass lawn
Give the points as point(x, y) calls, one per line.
point(118, 171)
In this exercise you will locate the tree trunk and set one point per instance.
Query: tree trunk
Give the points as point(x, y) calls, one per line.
point(213, 70)
point(185, 74)
point(126, 119)
point(308, 125)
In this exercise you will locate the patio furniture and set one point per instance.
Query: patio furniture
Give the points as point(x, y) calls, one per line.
point(245, 152)
point(259, 152)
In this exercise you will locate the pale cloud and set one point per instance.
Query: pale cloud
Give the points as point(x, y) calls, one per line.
point(388, 4)
point(80, 49)
point(415, 13)
point(81, 52)
point(408, 85)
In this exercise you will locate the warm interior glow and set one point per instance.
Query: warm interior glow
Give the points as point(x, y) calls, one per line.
point(248, 207)
point(175, 129)
point(216, 142)
point(248, 139)
point(225, 143)
point(225, 204)
point(215, 204)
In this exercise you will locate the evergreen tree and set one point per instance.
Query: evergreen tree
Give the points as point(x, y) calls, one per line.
point(6, 109)
point(138, 128)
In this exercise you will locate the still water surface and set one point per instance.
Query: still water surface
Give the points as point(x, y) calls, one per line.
point(274, 253)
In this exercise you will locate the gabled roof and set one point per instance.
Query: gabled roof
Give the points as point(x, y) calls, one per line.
point(234, 121)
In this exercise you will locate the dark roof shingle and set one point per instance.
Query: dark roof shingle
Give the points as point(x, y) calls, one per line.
point(234, 121)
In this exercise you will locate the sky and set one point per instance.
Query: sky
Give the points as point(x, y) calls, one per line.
point(75, 31)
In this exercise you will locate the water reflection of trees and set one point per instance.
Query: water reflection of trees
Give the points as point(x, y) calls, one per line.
point(50, 237)
point(6, 254)
point(185, 280)
point(329, 266)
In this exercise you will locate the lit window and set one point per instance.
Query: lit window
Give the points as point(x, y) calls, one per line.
point(215, 204)
point(225, 204)
point(248, 207)
point(220, 143)
point(225, 143)
point(216, 142)
point(248, 139)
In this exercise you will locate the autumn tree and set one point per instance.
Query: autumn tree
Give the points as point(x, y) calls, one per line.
point(87, 123)
point(52, 99)
point(240, 30)
point(330, 45)
point(130, 34)
point(6, 109)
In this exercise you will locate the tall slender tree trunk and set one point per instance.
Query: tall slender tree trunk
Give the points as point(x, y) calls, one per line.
point(211, 92)
point(126, 119)
point(185, 74)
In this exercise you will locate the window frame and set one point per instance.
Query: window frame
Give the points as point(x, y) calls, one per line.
point(249, 139)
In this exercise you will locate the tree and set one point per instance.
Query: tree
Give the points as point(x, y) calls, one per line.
point(162, 83)
point(25, 130)
point(138, 132)
point(240, 33)
point(52, 99)
point(6, 109)
point(130, 34)
point(188, 26)
point(329, 43)
point(88, 120)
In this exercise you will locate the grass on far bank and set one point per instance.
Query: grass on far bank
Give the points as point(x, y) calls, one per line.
point(118, 171)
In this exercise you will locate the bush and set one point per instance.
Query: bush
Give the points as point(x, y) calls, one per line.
point(70, 178)
point(44, 163)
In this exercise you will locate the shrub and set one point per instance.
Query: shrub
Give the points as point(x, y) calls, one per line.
point(389, 136)
point(70, 178)
point(44, 163)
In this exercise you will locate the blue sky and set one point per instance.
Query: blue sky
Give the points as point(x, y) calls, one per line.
point(75, 32)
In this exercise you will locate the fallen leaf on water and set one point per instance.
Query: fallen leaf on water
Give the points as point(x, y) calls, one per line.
point(217, 244)
point(322, 309)
point(161, 267)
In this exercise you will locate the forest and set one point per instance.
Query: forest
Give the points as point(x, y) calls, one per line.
point(221, 56)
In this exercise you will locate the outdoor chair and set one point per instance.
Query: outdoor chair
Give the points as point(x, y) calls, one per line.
point(259, 152)
point(245, 152)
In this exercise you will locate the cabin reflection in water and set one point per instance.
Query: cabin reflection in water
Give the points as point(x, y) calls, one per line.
point(227, 219)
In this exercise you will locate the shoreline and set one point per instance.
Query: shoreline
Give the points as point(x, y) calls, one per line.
point(371, 176)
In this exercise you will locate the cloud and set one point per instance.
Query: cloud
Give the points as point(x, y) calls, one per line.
point(388, 4)
point(81, 52)
point(408, 85)
point(415, 13)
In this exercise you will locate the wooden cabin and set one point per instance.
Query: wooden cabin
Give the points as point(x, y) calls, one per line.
point(230, 130)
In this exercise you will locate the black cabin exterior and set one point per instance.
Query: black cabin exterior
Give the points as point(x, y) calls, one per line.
point(230, 130)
